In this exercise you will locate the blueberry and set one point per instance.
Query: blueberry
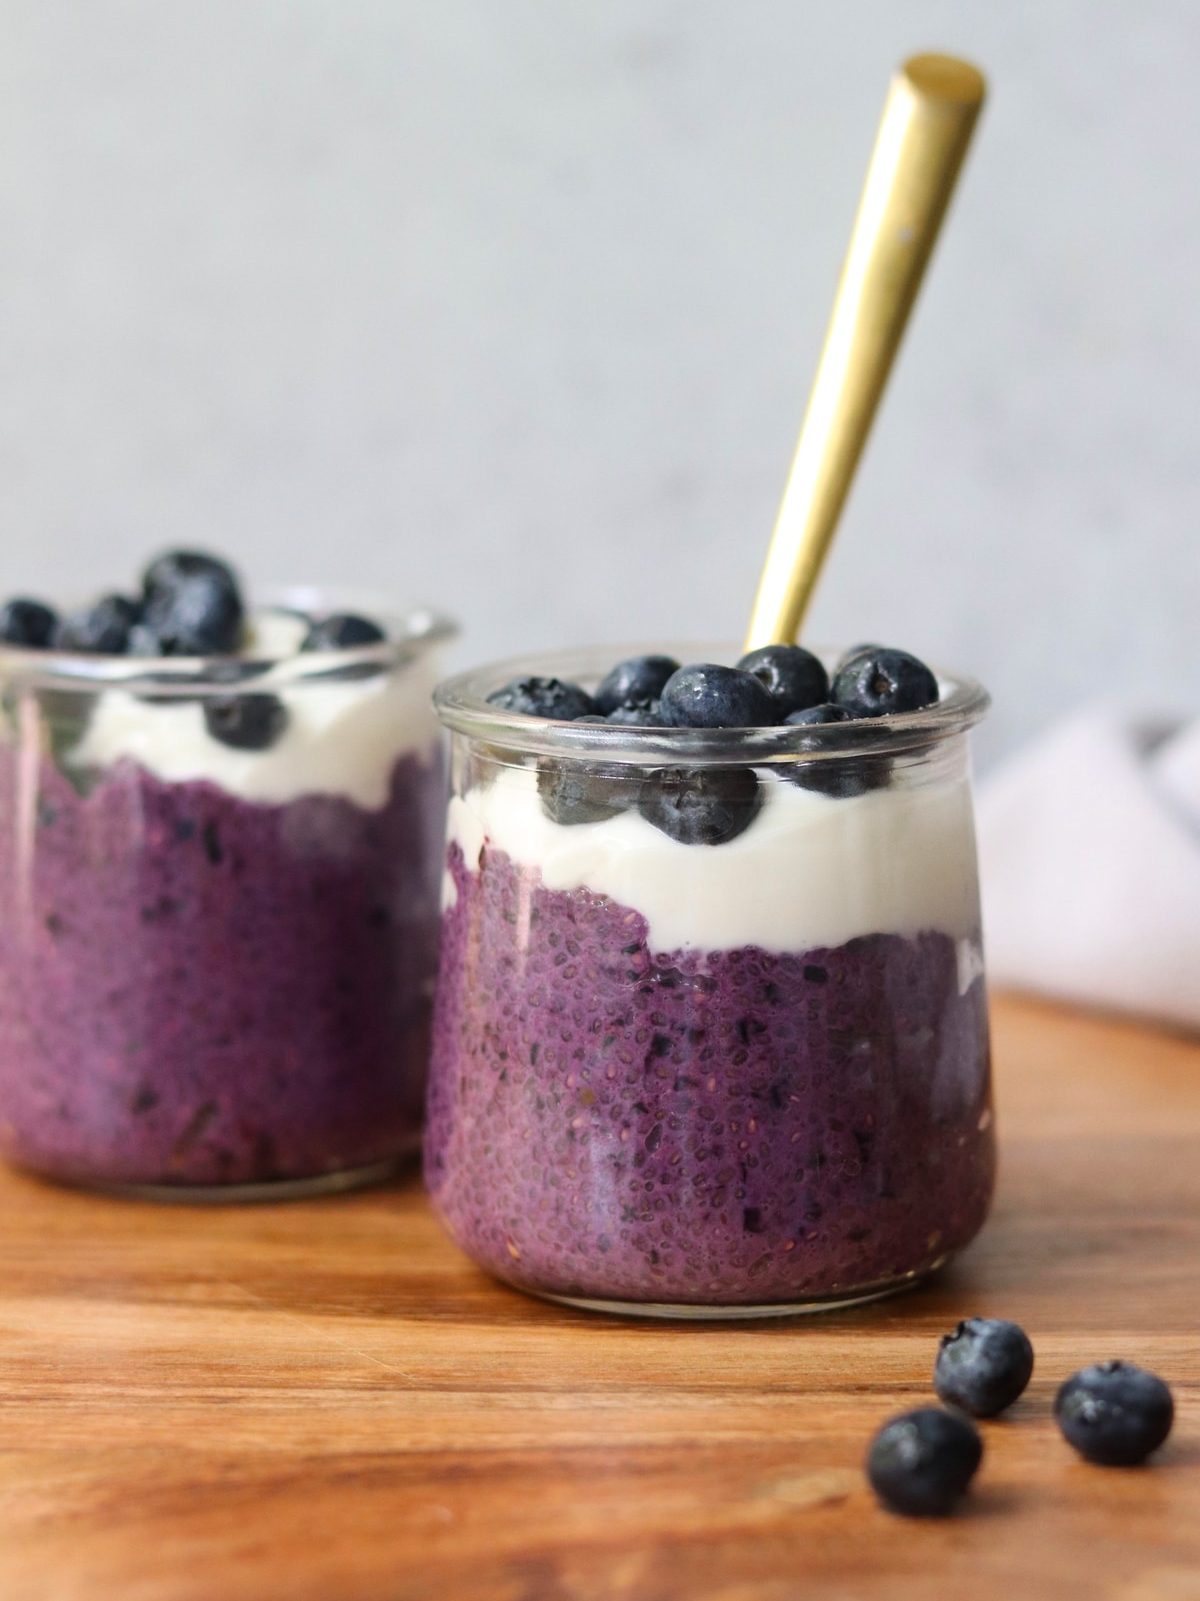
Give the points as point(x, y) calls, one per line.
point(710, 696)
point(177, 568)
point(818, 716)
point(102, 629)
point(700, 806)
point(1114, 1413)
point(193, 607)
point(636, 680)
point(983, 1366)
point(27, 622)
point(543, 697)
point(878, 683)
point(792, 676)
point(199, 620)
point(246, 722)
point(922, 1462)
point(841, 775)
point(848, 656)
point(581, 792)
point(144, 641)
point(638, 714)
point(342, 631)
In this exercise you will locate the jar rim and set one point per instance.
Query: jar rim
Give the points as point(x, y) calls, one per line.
point(461, 703)
point(410, 634)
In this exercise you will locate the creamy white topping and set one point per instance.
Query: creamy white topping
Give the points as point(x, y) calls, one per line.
point(810, 870)
point(274, 631)
point(341, 738)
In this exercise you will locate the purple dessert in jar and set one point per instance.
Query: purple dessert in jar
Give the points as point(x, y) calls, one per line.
point(220, 837)
point(710, 1034)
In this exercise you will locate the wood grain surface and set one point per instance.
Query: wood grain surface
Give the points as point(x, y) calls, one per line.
point(324, 1401)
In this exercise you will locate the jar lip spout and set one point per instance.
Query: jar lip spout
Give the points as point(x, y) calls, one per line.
point(463, 706)
point(411, 634)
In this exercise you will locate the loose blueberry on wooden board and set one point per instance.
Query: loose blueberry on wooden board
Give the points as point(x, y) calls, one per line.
point(1114, 1413)
point(922, 1462)
point(983, 1365)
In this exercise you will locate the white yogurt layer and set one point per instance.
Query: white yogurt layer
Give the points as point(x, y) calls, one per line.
point(809, 871)
point(342, 738)
point(275, 632)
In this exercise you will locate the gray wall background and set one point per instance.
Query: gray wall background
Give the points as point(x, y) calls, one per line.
point(514, 306)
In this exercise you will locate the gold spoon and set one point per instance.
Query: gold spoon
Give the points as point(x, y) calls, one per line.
point(927, 124)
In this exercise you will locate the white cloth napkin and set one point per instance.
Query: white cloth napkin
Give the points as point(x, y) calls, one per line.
point(1090, 854)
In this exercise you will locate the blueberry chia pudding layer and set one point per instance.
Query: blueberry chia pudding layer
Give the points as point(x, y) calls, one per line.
point(609, 1122)
point(709, 1035)
point(218, 883)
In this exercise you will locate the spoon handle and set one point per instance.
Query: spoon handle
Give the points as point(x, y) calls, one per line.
point(927, 124)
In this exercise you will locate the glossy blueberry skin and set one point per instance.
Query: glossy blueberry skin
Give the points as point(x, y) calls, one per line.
point(700, 806)
point(880, 683)
point(342, 631)
point(193, 607)
point(818, 716)
point(27, 622)
point(1114, 1413)
point(641, 714)
point(794, 678)
point(543, 697)
point(708, 695)
point(921, 1463)
point(852, 654)
point(102, 629)
point(580, 792)
point(843, 776)
point(983, 1366)
point(634, 681)
point(245, 722)
point(177, 568)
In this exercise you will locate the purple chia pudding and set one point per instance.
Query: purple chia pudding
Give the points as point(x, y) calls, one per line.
point(241, 999)
point(218, 928)
point(743, 1126)
point(744, 1077)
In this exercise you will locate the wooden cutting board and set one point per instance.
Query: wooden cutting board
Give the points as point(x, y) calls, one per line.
point(323, 1401)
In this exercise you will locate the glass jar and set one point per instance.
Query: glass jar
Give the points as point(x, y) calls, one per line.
point(218, 913)
point(747, 1075)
